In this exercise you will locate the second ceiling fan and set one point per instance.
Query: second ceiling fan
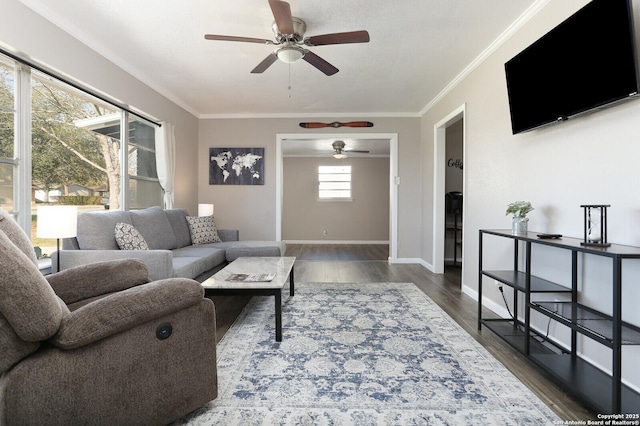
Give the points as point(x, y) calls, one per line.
point(339, 150)
point(289, 36)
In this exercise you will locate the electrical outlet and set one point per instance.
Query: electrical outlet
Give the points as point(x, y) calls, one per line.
point(498, 284)
point(324, 232)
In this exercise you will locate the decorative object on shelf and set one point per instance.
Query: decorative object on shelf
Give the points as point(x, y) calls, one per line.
point(336, 124)
point(595, 225)
point(520, 221)
point(236, 166)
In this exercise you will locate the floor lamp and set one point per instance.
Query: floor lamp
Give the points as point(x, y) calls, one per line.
point(57, 222)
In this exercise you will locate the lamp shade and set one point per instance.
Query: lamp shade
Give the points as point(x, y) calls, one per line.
point(57, 221)
point(205, 209)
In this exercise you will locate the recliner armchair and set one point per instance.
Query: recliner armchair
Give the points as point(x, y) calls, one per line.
point(99, 344)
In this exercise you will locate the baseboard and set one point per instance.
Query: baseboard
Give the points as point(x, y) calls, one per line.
point(334, 242)
point(486, 302)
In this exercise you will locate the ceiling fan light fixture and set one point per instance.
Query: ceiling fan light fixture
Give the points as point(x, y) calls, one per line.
point(290, 54)
point(339, 156)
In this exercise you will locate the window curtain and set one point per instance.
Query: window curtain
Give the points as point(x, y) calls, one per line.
point(165, 160)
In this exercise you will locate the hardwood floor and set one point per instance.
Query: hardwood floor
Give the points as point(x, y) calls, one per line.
point(362, 263)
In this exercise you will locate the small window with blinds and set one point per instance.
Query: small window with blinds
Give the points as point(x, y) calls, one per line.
point(334, 183)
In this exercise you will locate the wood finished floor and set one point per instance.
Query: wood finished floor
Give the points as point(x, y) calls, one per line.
point(367, 263)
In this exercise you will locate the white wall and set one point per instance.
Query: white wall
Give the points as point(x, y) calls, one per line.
point(588, 160)
point(365, 218)
point(252, 208)
point(28, 34)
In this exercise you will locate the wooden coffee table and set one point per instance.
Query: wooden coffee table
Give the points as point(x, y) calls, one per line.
point(282, 267)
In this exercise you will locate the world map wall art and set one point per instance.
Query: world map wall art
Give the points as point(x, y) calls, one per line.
point(236, 166)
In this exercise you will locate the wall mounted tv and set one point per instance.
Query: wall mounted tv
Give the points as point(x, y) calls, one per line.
point(586, 62)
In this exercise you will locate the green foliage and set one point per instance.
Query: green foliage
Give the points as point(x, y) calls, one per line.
point(79, 200)
point(519, 208)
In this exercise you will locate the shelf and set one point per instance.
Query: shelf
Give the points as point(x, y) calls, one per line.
point(517, 281)
point(515, 336)
point(587, 382)
point(603, 391)
point(568, 243)
point(588, 321)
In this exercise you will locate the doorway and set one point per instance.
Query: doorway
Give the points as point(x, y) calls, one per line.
point(453, 196)
point(439, 190)
point(393, 176)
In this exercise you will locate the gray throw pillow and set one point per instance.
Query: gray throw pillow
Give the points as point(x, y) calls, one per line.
point(129, 238)
point(203, 230)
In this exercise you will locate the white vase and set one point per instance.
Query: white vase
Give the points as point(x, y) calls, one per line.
point(519, 225)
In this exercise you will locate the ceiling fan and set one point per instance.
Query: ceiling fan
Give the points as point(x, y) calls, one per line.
point(339, 149)
point(289, 36)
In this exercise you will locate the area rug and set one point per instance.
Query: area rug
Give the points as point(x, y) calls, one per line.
point(361, 354)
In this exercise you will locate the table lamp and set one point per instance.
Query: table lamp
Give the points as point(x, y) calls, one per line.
point(205, 209)
point(57, 222)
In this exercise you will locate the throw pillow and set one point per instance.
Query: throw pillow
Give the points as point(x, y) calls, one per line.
point(129, 238)
point(203, 230)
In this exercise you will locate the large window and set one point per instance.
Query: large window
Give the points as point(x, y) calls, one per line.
point(7, 134)
point(75, 156)
point(334, 183)
point(144, 188)
point(62, 145)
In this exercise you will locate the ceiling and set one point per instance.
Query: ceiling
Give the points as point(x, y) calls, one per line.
point(417, 48)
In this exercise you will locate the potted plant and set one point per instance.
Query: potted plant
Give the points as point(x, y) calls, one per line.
point(519, 210)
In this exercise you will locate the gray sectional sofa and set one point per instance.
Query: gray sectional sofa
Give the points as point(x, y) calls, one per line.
point(170, 250)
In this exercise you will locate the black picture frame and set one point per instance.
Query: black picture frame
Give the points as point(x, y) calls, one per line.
point(236, 166)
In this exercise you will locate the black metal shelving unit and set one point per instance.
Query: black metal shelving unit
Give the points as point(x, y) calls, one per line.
point(602, 391)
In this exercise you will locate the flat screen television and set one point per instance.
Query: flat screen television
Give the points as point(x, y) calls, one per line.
point(586, 62)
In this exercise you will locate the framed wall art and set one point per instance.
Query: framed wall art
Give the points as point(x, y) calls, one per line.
point(236, 166)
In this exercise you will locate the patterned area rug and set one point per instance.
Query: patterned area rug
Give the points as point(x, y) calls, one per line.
point(361, 354)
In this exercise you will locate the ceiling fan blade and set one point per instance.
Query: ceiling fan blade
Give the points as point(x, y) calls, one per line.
point(319, 63)
point(351, 151)
point(233, 38)
point(266, 63)
point(338, 38)
point(335, 124)
point(282, 14)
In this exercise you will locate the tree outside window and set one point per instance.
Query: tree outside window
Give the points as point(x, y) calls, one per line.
point(71, 163)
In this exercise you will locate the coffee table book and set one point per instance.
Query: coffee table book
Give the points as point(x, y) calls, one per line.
point(251, 277)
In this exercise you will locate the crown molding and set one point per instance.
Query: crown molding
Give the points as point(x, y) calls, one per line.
point(502, 38)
